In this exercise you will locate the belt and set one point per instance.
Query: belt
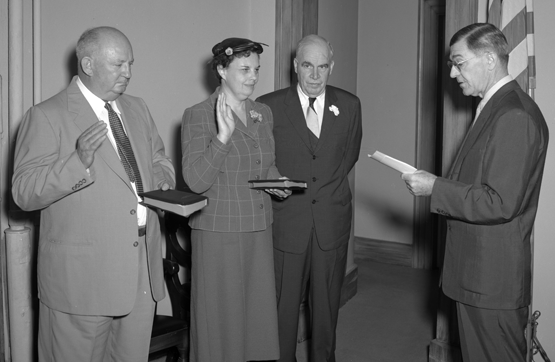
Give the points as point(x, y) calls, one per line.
point(142, 230)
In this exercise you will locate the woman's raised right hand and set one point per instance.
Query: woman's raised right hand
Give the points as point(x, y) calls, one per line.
point(224, 117)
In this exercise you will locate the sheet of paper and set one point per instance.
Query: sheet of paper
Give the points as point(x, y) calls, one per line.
point(392, 162)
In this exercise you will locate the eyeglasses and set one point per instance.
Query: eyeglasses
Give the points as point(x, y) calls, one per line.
point(457, 65)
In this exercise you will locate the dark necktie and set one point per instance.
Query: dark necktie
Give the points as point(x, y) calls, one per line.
point(478, 111)
point(125, 151)
point(312, 118)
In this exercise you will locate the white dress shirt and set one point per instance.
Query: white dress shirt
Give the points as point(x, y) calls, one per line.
point(318, 104)
point(101, 112)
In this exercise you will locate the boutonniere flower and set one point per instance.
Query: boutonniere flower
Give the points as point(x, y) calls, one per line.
point(257, 117)
point(335, 110)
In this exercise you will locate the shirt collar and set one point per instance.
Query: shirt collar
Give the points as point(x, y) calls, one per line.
point(506, 79)
point(96, 103)
point(304, 98)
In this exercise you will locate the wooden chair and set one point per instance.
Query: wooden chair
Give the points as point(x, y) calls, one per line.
point(172, 333)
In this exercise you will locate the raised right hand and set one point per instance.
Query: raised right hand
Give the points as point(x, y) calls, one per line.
point(224, 117)
point(89, 141)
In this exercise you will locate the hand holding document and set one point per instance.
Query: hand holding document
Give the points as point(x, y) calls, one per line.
point(392, 162)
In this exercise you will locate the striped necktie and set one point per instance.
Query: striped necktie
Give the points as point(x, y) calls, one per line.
point(312, 118)
point(125, 151)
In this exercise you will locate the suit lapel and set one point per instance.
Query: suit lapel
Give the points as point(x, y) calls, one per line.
point(474, 133)
point(84, 118)
point(329, 117)
point(294, 113)
point(249, 129)
point(131, 121)
point(469, 140)
point(252, 123)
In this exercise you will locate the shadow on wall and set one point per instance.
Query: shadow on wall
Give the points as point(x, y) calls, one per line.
point(71, 64)
point(386, 211)
point(210, 83)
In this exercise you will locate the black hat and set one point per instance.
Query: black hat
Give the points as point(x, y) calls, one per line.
point(231, 46)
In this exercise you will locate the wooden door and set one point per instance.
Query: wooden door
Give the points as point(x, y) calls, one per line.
point(457, 115)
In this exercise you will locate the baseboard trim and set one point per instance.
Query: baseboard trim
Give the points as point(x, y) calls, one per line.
point(381, 251)
point(441, 351)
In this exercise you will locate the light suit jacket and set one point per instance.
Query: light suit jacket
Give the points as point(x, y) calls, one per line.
point(490, 199)
point(87, 256)
point(326, 203)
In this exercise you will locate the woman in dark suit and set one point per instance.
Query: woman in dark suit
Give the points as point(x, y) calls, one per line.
point(226, 141)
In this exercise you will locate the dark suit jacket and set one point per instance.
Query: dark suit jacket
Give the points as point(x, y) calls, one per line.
point(326, 204)
point(87, 261)
point(490, 198)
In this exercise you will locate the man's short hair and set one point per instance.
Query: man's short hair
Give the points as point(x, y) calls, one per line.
point(313, 39)
point(87, 43)
point(484, 37)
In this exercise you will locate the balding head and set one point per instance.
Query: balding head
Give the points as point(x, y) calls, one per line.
point(92, 39)
point(314, 40)
point(105, 57)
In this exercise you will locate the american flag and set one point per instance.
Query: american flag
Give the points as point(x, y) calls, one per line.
point(516, 19)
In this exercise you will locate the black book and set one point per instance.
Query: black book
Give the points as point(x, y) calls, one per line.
point(183, 203)
point(277, 184)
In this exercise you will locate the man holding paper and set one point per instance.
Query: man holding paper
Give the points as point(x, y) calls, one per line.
point(489, 198)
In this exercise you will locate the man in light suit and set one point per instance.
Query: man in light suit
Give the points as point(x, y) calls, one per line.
point(317, 130)
point(99, 256)
point(490, 198)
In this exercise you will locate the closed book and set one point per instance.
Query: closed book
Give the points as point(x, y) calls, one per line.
point(183, 203)
point(277, 184)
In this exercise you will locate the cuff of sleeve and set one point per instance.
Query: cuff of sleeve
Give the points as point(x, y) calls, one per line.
point(220, 146)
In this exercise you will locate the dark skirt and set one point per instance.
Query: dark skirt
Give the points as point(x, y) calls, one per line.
point(233, 297)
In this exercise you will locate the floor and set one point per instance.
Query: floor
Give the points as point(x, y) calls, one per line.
point(390, 319)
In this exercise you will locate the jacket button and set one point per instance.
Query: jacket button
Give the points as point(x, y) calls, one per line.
point(313, 157)
point(258, 162)
point(313, 201)
point(132, 212)
point(261, 206)
point(314, 179)
point(136, 243)
point(255, 145)
point(257, 177)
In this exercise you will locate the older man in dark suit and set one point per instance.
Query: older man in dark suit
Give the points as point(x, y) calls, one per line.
point(490, 198)
point(81, 158)
point(318, 130)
